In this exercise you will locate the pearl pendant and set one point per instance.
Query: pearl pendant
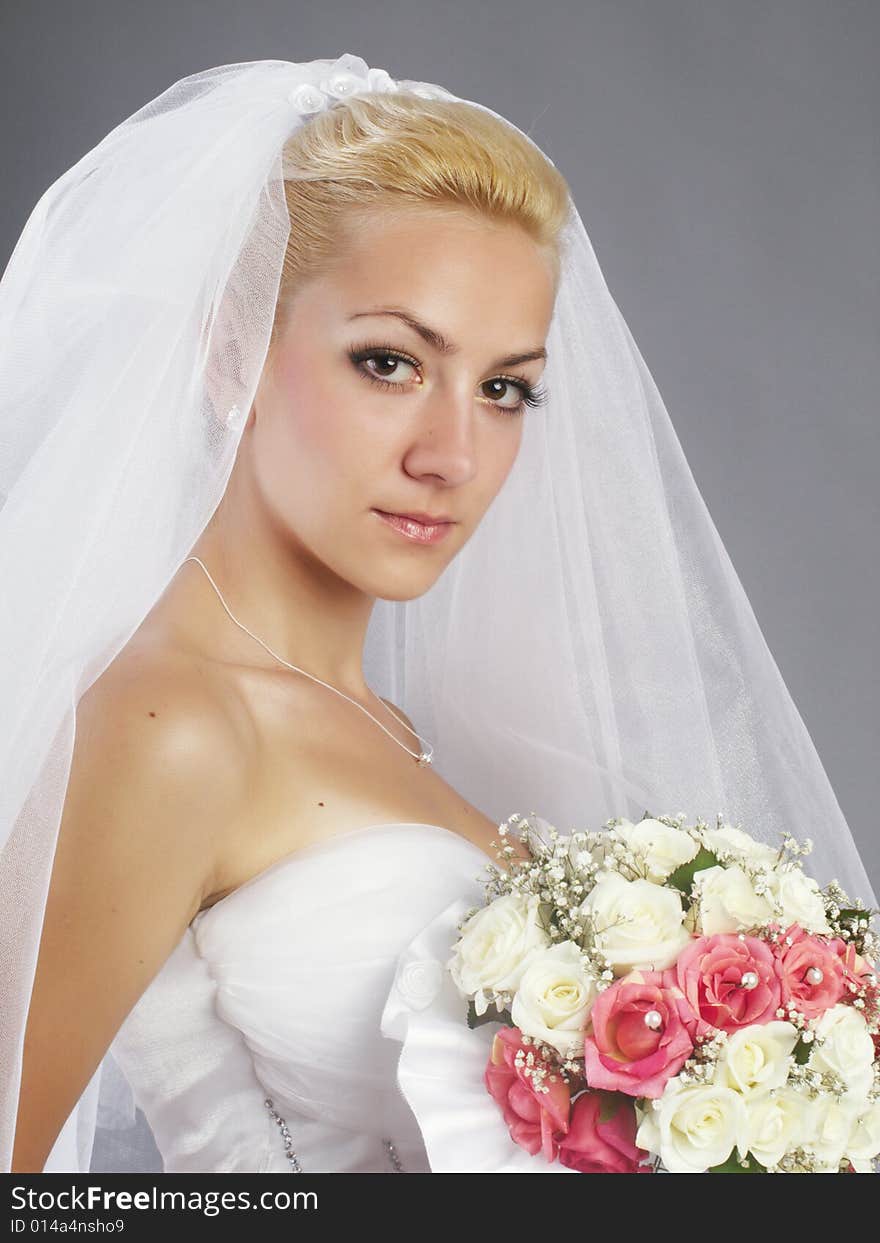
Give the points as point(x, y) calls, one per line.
point(749, 979)
point(653, 1019)
point(815, 975)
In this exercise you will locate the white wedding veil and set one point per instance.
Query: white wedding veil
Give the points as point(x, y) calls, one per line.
point(590, 652)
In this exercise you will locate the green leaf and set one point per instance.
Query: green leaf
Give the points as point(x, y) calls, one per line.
point(491, 1016)
point(683, 877)
point(732, 1166)
point(609, 1103)
point(852, 913)
point(802, 1051)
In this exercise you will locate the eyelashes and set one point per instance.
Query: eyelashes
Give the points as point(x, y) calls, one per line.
point(531, 395)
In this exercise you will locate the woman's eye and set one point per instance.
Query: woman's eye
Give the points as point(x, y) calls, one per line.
point(515, 390)
point(386, 360)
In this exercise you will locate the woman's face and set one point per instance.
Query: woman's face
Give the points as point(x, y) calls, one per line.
point(356, 412)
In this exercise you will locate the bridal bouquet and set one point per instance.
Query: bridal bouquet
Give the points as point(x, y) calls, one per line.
point(676, 998)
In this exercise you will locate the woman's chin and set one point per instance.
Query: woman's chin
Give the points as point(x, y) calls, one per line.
point(404, 582)
point(408, 591)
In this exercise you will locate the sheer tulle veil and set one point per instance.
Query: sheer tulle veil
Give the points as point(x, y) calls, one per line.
point(589, 653)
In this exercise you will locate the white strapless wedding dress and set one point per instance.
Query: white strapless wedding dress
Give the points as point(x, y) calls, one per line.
point(306, 1021)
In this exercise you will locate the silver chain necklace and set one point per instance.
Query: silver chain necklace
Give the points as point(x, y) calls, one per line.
point(421, 757)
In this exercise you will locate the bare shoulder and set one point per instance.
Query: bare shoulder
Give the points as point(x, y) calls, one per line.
point(151, 707)
point(160, 746)
point(171, 681)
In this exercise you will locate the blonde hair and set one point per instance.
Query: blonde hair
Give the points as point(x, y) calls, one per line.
point(380, 151)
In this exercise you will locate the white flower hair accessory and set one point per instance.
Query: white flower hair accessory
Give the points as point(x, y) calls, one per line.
point(351, 75)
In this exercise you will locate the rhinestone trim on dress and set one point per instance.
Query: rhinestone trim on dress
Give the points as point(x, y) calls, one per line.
point(295, 1167)
point(292, 1158)
point(393, 1157)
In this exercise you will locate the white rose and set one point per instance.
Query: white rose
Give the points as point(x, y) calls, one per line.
point(662, 849)
point(846, 1050)
point(801, 900)
point(495, 946)
point(831, 1123)
point(776, 1123)
point(637, 923)
point(758, 1057)
point(726, 900)
point(863, 1145)
point(554, 998)
point(694, 1127)
point(727, 838)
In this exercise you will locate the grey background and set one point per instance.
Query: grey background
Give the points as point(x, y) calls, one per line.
point(724, 159)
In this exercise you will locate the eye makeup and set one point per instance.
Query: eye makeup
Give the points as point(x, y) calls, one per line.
point(531, 395)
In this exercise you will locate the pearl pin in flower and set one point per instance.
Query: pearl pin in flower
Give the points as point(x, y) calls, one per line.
point(815, 975)
point(306, 99)
point(653, 1019)
point(749, 979)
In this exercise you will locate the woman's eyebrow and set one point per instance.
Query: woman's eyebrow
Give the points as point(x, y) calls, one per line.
point(440, 343)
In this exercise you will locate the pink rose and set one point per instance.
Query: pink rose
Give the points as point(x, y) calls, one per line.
point(536, 1119)
point(858, 972)
point(798, 962)
point(601, 1137)
point(860, 978)
point(730, 979)
point(640, 1034)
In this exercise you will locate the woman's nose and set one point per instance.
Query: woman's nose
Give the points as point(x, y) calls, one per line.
point(444, 438)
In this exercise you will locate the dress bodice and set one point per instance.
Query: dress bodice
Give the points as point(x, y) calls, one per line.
point(258, 1046)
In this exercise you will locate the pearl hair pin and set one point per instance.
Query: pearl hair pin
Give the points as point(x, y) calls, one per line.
point(422, 758)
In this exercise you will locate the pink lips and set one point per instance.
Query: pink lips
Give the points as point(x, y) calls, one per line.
point(411, 528)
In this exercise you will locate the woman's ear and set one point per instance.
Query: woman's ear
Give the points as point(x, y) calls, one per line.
point(228, 340)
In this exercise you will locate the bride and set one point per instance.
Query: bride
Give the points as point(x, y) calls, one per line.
point(330, 394)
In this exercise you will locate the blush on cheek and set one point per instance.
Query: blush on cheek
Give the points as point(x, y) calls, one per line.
point(309, 468)
point(318, 415)
point(300, 399)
